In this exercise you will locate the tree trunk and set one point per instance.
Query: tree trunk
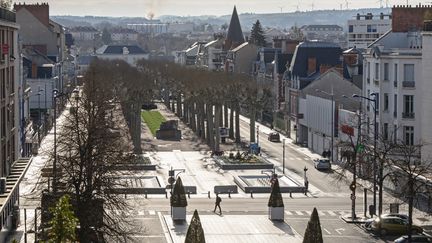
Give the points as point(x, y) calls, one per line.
point(179, 106)
point(193, 117)
point(237, 124)
point(226, 115)
point(410, 205)
point(210, 126)
point(252, 124)
point(231, 123)
point(202, 124)
point(218, 114)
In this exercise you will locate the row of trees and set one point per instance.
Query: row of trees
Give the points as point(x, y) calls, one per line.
point(202, 99)
point(92, 140)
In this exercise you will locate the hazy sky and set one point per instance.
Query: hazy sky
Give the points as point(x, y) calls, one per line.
point(142, 8)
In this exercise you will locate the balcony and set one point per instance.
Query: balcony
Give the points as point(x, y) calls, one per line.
point(395, 84)
point(368, 80)
point(394, 114)
point(376, 81)
point(409, 115)
point(408, 84)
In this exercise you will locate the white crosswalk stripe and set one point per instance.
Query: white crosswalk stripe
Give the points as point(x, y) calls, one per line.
point(331, 213)
point(299, 212)
point(152, 212)
point(288, 213)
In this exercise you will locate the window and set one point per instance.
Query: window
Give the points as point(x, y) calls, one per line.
point(386, 102)
point(385, 131)
point(395, 133)
point(409, 72)
point(350, 28)
point(368, 70)
point(376, 71)
point(386, 71)
point(395, 106)
point(409, 135)
point(396, 72)
point(408, 106)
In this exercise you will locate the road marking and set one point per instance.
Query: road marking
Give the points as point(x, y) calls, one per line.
point(328, 232)
point(152, 212)
point(288, 213)
point(321, 213)
point(299, 212)
point(308, 212)
point(331, 213)
point(339, 230)
point(140, 212)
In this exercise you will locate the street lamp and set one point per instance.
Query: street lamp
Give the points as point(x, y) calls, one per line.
point(375, 108)
point(39, 115)
point(283, 156)
point(332, 120)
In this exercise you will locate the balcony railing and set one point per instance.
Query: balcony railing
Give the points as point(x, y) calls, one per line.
point(376, 81)
point(408, 84)
point(368, 80)
point(408, 115)
point(394, 114)
point(395, 83)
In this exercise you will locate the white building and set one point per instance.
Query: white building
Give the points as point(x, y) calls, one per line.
point(365, 29)
point(84, 33)
point(149, 28)
point(180, 27)
point(331, 33)
point(129, 53)
point(124, 35)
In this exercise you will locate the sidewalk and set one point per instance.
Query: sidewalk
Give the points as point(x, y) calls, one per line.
point(421, 216)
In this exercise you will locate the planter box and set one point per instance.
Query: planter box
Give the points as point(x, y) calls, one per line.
point(179, 213)
point(276, 213)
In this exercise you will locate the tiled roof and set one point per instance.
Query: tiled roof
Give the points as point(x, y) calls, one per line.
point(235, 33)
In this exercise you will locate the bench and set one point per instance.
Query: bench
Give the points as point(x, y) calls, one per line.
point(225, 189)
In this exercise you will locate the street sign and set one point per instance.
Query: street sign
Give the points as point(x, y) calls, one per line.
point(359, 148)
point(223, 131)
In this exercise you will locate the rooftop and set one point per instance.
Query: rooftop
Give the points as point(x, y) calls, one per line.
point(118, 49)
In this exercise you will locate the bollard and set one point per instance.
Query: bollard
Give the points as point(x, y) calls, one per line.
point(166, 194)
point(208, 194)
point(125, 196)
point(35, 224)
point(229, 194)
point(251, 194)
point(188, 194)
point(290, 194)
point(146, 195)
point(25, 225)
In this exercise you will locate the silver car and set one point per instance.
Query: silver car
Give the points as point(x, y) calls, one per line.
point(322, 164)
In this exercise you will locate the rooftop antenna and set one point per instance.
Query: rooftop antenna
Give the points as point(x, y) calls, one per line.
point(312, 5)
point(347, 4)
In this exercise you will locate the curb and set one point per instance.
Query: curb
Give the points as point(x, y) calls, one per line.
point(348, 220)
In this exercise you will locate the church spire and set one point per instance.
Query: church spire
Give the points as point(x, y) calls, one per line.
point(235, 34)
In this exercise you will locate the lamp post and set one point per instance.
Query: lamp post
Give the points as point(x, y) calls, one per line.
point(283, 156)
point(375, 108)
point(332, 120)
point(39, 115)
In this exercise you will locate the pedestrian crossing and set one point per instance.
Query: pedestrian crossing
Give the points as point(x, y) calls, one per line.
point(326, 213)
point(142, 213)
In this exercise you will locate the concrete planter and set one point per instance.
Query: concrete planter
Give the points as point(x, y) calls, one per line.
point(276, 213)
point(179, 213)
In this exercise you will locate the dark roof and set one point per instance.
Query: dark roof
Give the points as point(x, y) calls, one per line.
point(283, 59)
point(324, 53)
point(123, 31)
point(235, 33)
point(118, 49)
point(332, 26)
point(85, 60)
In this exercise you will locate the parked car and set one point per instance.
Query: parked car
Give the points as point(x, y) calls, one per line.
point(322, 164)
point(274, 137)
point(414, 238)
point(393, 225)
point(368, 222)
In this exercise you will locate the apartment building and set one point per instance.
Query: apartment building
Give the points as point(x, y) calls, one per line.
point(365, 29)
point(397, 67)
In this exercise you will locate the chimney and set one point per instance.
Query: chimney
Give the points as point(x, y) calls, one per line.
point(40, 11)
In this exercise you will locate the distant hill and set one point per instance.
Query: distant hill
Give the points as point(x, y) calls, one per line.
point(273, 20)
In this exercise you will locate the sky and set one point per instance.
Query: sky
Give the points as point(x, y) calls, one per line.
point(145, 8)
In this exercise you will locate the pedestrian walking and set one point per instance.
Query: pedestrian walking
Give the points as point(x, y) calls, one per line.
point(217, 204)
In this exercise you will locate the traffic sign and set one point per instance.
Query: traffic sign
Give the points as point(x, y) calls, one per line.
point(353, 197)
point(171, 180)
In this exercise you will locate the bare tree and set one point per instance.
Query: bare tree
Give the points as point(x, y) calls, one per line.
point(92, 140)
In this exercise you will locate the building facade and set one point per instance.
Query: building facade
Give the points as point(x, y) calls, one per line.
point(9, 96)
point(84, 33)
point(365, 29)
